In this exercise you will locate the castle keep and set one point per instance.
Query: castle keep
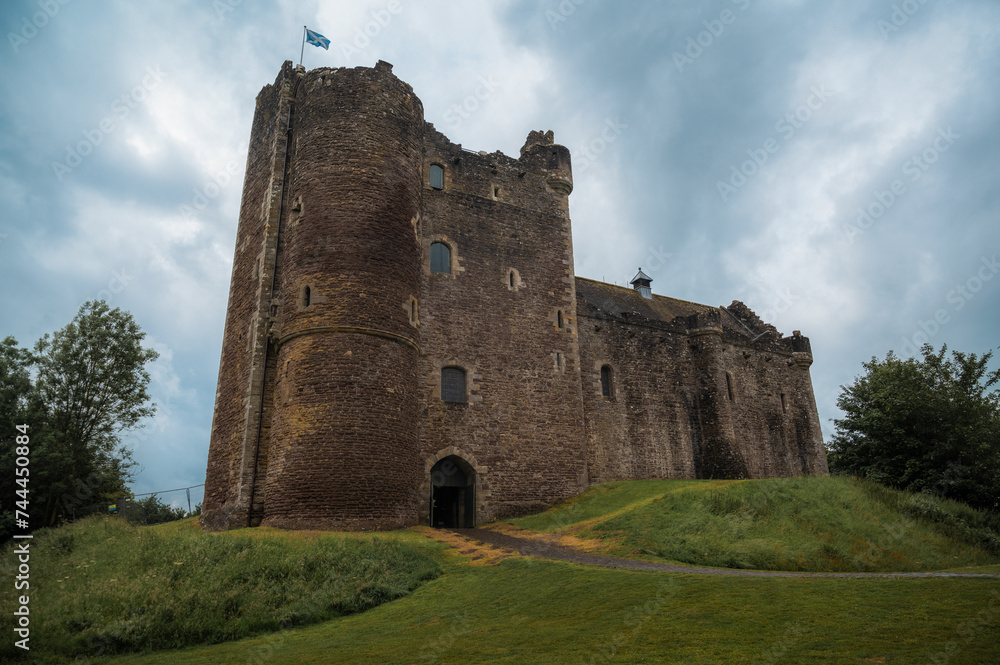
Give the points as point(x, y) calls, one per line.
point(406, 342)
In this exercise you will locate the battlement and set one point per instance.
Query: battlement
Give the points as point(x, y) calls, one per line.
point(540, 179)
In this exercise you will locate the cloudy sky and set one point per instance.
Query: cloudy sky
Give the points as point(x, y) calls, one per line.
point(832, 165)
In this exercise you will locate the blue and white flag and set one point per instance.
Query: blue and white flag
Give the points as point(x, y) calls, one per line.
point(317, 39)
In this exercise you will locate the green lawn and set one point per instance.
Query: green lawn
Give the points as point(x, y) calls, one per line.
point(528, 611)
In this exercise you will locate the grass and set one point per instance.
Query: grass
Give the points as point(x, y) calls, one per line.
point(101, 585)
point(819, 524)
point(523, 610)
point(526, 611)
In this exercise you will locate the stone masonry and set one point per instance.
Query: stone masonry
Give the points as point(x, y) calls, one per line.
point(406, 342)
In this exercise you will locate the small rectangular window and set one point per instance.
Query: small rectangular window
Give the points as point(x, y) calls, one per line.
point(606, 386)
point(453, 385)
point(437, 176)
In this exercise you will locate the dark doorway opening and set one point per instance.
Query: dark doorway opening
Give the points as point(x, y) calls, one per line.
point(453, 494)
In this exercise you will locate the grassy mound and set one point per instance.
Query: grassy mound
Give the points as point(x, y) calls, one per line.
point(100, 586)
point(828, 524)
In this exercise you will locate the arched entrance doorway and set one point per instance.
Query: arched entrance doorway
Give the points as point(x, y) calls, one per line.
point(453, 494)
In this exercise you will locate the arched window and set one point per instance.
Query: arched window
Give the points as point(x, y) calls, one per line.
point(440, 258)
point(437, 176)
point(453, 385)
point(513, 279)
point(607, 386)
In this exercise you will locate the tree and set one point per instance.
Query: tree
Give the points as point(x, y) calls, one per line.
point(89, 390)
point(152, 510)
point(15, 392)
point(15, 384)
point(926, 425)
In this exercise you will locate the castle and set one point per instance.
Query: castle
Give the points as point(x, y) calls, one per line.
point(406, 342)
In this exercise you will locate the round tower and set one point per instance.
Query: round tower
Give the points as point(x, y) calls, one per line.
point(343, 442)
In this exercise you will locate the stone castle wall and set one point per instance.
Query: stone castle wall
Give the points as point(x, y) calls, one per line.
point(695, 392)
point(523, 422)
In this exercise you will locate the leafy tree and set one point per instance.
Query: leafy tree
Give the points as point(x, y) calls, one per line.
point(15, 385)
point(15, 393)
point(89, 389)
point(927, 425)
point(152, 510)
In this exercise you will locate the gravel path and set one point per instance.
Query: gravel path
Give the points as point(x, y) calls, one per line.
point(546, 551)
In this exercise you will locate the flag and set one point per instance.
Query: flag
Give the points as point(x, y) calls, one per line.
point(317, 39)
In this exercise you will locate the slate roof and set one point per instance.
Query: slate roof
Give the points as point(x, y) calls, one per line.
point(618, 300)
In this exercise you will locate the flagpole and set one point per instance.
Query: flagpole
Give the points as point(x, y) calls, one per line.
point(303, 51)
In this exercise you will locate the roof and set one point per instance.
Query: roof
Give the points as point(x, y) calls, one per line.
point(639, 276)
point(618, 300)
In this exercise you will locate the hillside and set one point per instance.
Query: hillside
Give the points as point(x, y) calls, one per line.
point(803, 524)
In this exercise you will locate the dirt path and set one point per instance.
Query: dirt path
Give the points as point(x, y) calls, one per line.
point(547, 551)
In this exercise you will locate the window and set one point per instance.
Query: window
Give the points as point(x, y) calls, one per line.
point(784, 404)
point(437, 176)
point(729, 387)
point(607, 388)
point(560, 361)
point(440, 258)
point(513, 281)
point(559, 319)
point(453, 385)
point(306, 294)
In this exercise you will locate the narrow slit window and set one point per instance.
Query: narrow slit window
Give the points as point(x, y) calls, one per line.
point(784, 404)
point(511, 278)
point(606, 385)
point(729, 387)
point(453, 385)
point(559, 319)
point(440, 258)
point(306, 296)
point(437, 176)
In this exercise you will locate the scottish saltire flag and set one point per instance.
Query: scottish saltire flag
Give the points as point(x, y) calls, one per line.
point(317, 39)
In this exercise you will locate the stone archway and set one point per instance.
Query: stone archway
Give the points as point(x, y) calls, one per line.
point(476, 474)
point(453, 494)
